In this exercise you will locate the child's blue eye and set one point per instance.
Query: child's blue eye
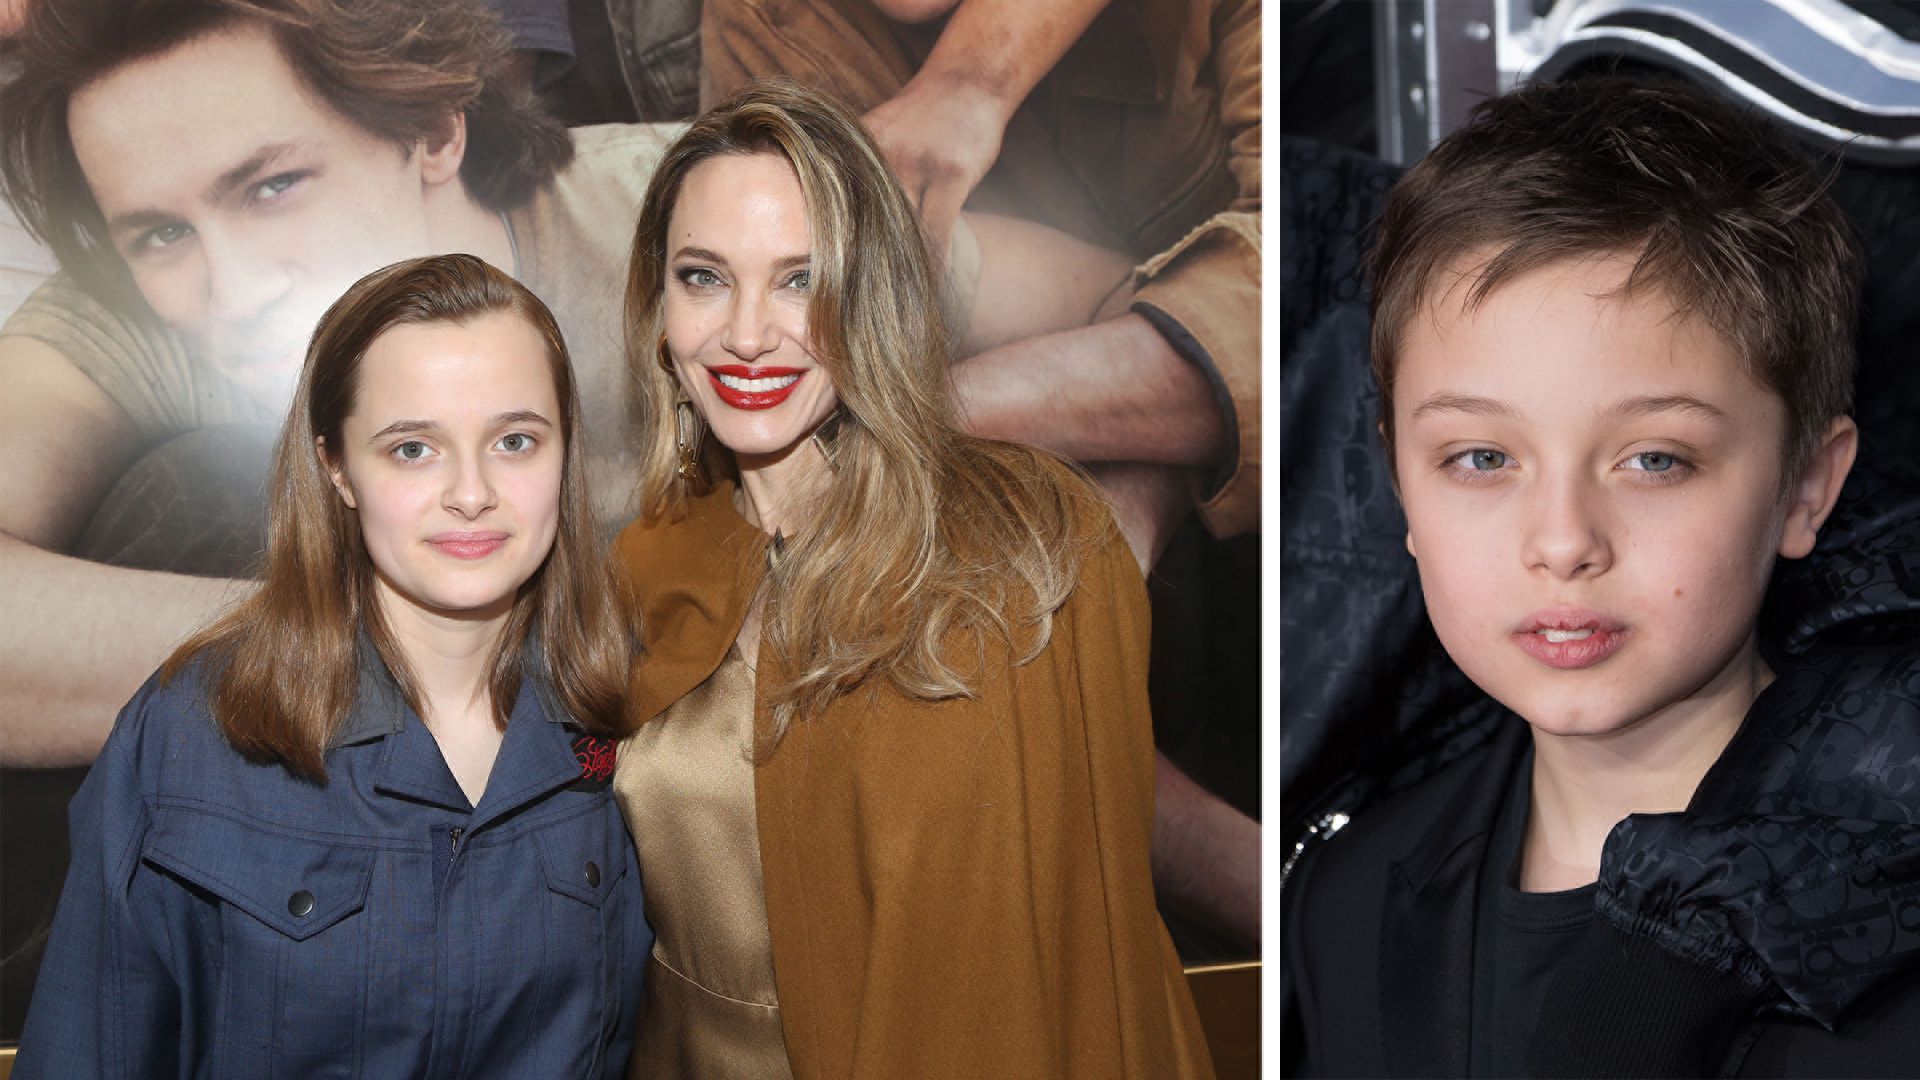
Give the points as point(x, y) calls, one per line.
point(1478, 464)
point(410, 451)
point(1655, 461)
point(515, 442)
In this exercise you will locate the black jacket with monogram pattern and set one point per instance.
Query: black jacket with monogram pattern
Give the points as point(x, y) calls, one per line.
point(1772, 928)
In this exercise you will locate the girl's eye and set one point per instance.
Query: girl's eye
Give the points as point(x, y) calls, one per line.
point(411, 450)
point(1654, 461)
point(515, 442)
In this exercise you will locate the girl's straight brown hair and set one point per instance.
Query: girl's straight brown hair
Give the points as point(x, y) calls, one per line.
point(284, 663)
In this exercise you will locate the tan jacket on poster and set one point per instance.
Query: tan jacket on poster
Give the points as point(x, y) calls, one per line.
point(959, 888)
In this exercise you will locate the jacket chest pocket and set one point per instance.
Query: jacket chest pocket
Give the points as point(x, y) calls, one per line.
point(591, 905)
point(287, 936)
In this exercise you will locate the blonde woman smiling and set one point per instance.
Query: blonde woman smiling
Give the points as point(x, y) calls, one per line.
point(894, 779)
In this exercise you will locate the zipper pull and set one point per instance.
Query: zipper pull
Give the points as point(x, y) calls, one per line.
point(1328, 824)
point(444, 844)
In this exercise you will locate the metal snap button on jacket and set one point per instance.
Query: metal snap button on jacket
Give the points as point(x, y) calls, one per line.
point(300, 903)
point(593, 875)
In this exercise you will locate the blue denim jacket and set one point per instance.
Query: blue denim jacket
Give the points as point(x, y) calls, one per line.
point(224, 919)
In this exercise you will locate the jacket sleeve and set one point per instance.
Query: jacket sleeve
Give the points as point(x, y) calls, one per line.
point(106, 1003)
point(1159, 1033)
point(1203, 293)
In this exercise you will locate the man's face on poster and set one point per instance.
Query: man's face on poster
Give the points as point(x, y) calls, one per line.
point(242, 202)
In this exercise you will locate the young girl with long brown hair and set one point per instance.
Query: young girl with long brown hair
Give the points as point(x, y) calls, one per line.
point(361, 824)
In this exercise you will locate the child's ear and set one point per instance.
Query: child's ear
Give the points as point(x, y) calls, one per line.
point(1819, 488)
point(334, 472)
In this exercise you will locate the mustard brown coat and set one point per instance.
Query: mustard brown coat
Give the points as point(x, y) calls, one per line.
point(957, 888)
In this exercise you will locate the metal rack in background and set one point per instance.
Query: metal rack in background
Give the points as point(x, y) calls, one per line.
point(1840, 73)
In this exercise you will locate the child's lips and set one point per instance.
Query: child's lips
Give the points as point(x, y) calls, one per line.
point(1570, 638)
point(468, 545)
point(1569, 650)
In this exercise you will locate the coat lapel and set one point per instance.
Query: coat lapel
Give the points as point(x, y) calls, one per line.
point(1426, 946)
point(691, 582)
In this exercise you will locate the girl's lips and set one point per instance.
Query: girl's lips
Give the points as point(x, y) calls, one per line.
point(468, 545)
point(1599, 644)
point(754, 399)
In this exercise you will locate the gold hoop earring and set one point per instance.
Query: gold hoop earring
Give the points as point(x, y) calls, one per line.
point(826, 438)
point(689, 432)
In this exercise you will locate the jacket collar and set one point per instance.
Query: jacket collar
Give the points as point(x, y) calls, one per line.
point(1426, 949)
point(1805, 832)
point(693, 578)
point(380, 709)
point(534, 757)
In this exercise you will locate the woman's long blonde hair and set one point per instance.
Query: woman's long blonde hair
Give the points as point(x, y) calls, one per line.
point(928, 541)
point(285, 661)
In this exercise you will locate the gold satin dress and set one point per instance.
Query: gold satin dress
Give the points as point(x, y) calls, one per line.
point(685, 784)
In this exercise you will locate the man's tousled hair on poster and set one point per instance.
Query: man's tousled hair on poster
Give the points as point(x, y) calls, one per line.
point(397, 69)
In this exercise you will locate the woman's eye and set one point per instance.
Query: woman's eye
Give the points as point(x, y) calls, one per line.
point(515, 442)
point(700, 277)
point(801, 280)
point(1654, 461)
point(411, 450)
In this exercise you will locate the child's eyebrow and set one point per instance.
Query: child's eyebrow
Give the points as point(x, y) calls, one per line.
point(1649, 405)
point(1465, 403)
point(402, 427)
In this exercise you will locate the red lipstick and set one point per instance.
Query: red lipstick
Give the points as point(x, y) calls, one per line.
point(1570, 638)
point(765, 396)
point(467, 545)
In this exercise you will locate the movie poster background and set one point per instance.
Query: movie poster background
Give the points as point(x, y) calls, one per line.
point(200, 511)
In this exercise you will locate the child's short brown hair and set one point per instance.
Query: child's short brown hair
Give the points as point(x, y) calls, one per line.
point(1729, 221)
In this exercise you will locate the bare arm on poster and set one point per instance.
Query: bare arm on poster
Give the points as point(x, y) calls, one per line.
point(1206, 855)
point(1149, 502)
point(1113, 391)
point(1037, 373)
point(942, 131)
point(76, 638)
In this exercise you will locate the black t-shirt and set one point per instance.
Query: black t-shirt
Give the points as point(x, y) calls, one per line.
point(1518, 940)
